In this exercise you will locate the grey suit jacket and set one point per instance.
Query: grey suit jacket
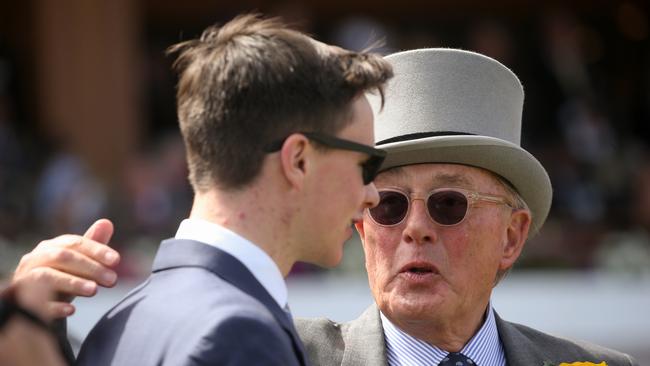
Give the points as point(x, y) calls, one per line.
point(361, 343)
point(200, 306)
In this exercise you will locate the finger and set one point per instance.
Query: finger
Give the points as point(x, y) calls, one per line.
point(59, 282)
point(36, 292)
point(73, 262)
point(38, 298)
point(100, 231)
point(83, 266)
point(97, 251)
point(33, 295)
point(59, 309)
point(41, 255)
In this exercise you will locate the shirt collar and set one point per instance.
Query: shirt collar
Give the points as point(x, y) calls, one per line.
point(257, 261)
point(484, 347)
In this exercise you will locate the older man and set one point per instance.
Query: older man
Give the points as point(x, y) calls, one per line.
point(458, 198)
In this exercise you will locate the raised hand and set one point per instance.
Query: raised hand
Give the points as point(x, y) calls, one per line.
point(70, 266)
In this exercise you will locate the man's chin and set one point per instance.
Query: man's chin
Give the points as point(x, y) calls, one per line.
point(328, 260)
point(414, 306)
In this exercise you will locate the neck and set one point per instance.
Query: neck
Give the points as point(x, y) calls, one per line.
point(450, 333)
point(245, 214)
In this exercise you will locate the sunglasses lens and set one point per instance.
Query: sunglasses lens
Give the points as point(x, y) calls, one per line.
point(371, 168)
point(391, 209)
point(447, 207)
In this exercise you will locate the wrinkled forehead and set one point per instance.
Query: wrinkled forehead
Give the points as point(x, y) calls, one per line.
point(434, 175)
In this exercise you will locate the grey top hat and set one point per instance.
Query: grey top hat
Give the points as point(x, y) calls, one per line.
point(455, 106)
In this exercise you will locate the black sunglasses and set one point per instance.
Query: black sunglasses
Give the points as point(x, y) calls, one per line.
point(369, 168)
point(445, 206)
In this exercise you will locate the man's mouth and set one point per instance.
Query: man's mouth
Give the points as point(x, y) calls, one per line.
point(419, 268)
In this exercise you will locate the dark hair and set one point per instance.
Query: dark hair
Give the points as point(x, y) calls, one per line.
point(254, 81)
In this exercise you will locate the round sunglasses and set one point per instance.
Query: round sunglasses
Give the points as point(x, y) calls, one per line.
point(445, 206)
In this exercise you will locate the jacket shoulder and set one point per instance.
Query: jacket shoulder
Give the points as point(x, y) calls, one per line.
point(323, 340)
point(557, 349)
point(354, 343)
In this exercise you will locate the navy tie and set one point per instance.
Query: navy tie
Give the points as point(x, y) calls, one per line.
point(456, 359)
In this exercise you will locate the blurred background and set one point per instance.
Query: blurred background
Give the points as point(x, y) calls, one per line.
point(88, 130)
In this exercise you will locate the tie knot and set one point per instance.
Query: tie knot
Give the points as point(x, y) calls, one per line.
point(456, 359)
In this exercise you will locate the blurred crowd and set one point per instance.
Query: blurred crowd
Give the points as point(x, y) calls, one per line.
point(586, 118)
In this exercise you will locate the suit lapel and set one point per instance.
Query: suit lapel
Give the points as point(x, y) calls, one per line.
point(364, 340)
point(175, 253)
point(520, 350)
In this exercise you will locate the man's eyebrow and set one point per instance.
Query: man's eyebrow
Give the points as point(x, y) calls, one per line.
point(451, 179)
point(396, 172)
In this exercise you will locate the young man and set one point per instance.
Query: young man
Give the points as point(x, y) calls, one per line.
point(278, 135)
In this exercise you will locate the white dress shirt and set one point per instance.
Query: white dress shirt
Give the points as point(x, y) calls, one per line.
point(253, 257)
point(485, 348)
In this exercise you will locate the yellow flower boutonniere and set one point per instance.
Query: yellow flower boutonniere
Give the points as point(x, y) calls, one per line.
point(547, 363)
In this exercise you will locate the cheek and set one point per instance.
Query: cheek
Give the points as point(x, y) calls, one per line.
point(379, 247)
point(474, 254)
point(351, 191)
point(349, 175)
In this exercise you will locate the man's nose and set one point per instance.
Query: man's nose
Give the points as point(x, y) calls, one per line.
point(371, 196)
point(419, 228)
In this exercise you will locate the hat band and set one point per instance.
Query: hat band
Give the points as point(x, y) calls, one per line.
point(420, 135)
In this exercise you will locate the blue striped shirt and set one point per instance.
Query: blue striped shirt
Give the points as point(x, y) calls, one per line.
point(485, 348)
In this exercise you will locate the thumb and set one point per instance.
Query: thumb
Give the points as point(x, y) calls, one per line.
point(100, 231)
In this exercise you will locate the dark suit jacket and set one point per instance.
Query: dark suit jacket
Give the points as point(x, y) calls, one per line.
point(200, 306)
point(361, 342)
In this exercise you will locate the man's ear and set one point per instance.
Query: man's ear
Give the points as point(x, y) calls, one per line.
point(293, 156)
point(515, 238)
